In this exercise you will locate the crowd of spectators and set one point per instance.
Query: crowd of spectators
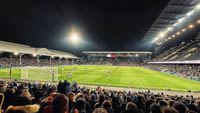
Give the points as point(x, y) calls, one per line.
point(186, 71)
point(15, 62)
point(22, 97)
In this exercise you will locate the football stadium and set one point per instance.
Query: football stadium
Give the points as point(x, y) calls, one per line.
point(95, 68)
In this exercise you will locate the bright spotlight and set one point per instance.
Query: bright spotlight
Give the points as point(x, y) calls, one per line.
point(34, 55)
point(184, 30)
point(178, 33)
point(169, 29)
point(181, 20)
point(175, 24)
point(198, 6)
point(169, 38)
point(191, 26)
point(155, 39)
point(198, 21)
point(16, 53)
point(74, 37)
point(161, 34)
point(52, 56)
point(190, 13)
point(173, 36)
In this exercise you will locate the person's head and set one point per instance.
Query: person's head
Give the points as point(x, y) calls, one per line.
point(171, 103)
point(170, 110)
point(131, 106)
point(71, 96)
point(180, 107)
point(163, 103)
point(107, 104)
point(100, 110)
point(80, 104)
point(60, 104)
point(155, 108)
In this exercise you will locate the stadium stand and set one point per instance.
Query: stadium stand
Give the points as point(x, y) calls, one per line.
point(23, 97)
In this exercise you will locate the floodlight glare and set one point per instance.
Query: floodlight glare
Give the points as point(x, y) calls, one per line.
point(34, 55)
point(175, 24)
point(165, 40)
point(178, 33)
point(184, 30)
point(190, 13)
point(191, 26)
point(161, 34)
point(169, 29)
point(16, 53)
point(198, 21)
point(75, 37)
point(173, 36)
point(198, 6)
point(169, 38)
point(181, 20)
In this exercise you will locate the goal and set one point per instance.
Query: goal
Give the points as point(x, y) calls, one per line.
point(40, 73)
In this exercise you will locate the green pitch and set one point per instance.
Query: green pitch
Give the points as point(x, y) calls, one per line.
point(119, 76)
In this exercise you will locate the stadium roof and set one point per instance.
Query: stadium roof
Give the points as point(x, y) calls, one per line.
point(176, 14)
point(117, 52)
point(25, 49)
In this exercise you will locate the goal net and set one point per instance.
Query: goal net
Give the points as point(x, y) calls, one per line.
point(44, 73)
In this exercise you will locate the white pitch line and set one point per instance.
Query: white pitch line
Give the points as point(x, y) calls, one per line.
point(139, 82)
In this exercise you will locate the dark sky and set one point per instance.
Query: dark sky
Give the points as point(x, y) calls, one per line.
point(104, 25)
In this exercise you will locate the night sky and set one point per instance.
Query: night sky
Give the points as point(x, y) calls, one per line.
point(103, 25)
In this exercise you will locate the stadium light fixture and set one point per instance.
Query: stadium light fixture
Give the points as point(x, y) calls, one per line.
point(173, 36)
point(75, 37)
point(34, 55)
point(178, 33)
point(183, 29)
point(52, 56)
point(198, 6)
point(191, 26)
point(169, 29)
point(16, 53)
point(198, 21)
point(161, 34)
point(169, 38)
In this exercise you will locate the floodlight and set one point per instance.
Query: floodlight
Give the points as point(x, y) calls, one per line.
point(198, 21)
point(169, 29)
point(34, 55)
point(52, 56)
point(16, 53)
point(161, 34)
point(183, 29)
point(173, 36)
point(178, 33)
point(191, 26)
point(198, 6)
point(169, 38)
point(75, 37)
